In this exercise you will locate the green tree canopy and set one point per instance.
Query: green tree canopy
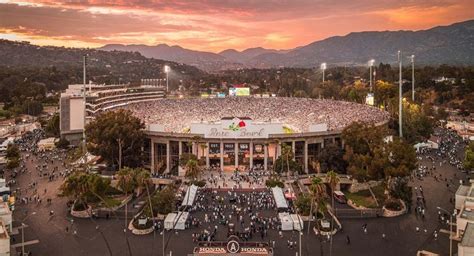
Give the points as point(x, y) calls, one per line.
point(12, 151)
point(469, 156)
point(332, 158)
point(115, 131)
point(369, 157)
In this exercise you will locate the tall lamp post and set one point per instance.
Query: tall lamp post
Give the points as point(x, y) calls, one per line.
point(167, 70)
point(84, 148)
point(450, 229)
point(400, 104)
point(371, 64)
point(23, 233)
point(323, 67)
point(412, 58)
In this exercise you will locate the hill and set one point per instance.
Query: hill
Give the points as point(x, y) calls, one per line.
point(127, 66)
point(453, 44)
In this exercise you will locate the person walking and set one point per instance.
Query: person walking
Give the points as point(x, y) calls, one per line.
point(348, 240)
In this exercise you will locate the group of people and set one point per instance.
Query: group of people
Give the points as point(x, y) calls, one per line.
point(299, 113)
point(48, 166)
point(246, 215)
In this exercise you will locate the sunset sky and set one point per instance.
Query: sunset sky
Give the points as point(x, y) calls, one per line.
point(215, 25)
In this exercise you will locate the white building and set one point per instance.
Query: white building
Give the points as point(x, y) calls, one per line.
point(464, 204)
point(4, 240)
point(466, 246)
point(6, 215)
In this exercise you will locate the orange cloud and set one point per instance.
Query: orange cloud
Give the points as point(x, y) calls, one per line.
point(216, 25)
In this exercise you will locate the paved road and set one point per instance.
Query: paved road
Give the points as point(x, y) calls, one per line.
point(94, 236)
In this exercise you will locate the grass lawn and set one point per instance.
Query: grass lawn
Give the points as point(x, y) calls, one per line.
point(362, 198)
point(379, 192)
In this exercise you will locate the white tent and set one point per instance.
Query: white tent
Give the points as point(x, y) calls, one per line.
point(297, 222)
point(172, 220)
point(286, 222)
point(190, 196)
point(279, 198)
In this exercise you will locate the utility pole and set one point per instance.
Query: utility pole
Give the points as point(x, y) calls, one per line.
point(400, 94)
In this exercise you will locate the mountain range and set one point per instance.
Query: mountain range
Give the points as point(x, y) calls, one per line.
point(452, 44)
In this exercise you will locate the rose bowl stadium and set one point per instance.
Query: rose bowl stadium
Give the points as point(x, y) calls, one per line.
point(226, 133)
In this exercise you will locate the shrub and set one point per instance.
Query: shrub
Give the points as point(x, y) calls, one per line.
point(272, 182)
point(393, 205)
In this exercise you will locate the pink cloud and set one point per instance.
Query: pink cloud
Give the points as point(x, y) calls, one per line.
point(214, 25)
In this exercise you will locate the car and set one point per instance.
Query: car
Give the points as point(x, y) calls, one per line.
point(340, 197)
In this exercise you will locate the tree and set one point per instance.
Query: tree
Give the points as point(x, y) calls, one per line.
point(85, 188)
point(164, 201)
point(469, 156)
point(13, 163)
point(401, 159)
point(383, 92)
point(117, 136)
point(333, 180)
point(364, 152)
point(371, 158)
point(332, 158)
point(52, 127)
point(185, 157)
point(62, 143)
point(317, 193)
point(12, 151)
point(400, 189)
point(417, 126)
point(192, 169)
point(125, 180)
point(281, 164)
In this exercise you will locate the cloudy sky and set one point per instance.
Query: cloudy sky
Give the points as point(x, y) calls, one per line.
point(215, 25)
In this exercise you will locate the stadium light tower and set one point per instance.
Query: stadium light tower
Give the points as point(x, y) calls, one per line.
point(85, 112)
point(371, 64)
point(412, 57)
point(400, 104)
point(323, 67)
point(167, 70)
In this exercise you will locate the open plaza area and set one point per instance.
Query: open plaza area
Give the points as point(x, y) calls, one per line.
point(250, 208)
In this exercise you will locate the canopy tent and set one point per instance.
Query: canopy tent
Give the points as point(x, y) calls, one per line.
point(172, 220)
point(279, 198)
point(286, 222)
point(297, 222)
point(190, 196)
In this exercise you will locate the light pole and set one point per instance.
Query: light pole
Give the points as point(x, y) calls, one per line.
point(412, 57)
point(400, 104)
point(450, 229)
point(163, 241)
point(323, 67)
point(167, 70)
point(84, 148)
point(371, 64)
point(23, 233)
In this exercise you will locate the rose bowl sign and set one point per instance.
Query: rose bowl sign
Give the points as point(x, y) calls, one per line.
point(236, 128)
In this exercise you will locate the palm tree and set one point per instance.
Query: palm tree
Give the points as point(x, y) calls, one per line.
point(192, 169)
point(317, 191)
point(127, 184)
point(287, 154)
point(333, 180)
point(76, 186)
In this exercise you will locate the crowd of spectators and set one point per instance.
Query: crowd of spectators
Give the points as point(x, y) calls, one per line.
point(298, 114)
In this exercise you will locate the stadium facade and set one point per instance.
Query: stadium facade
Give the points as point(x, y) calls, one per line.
point(224, 134)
